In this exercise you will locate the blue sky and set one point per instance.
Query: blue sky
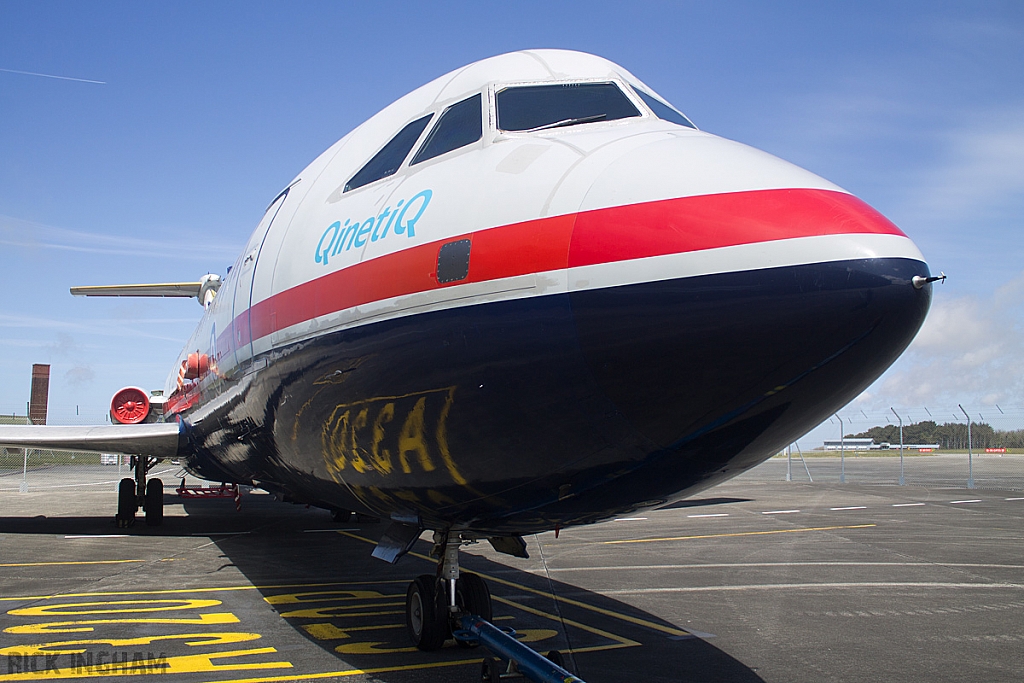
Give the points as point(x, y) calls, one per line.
point(206, 110)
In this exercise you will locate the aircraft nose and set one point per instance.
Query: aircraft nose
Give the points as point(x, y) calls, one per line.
point(730, 324)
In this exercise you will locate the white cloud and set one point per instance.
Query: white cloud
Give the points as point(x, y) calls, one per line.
point(979, 172)
point(15, 232)
point(970, 351)
point(103, 328)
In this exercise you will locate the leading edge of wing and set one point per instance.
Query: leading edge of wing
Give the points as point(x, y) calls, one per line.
point(161, 440)
point(167, 289)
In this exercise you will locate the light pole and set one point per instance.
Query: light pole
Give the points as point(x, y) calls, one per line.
point(842, 451)
point(789, 462)
point(901, 442)
point(970, 455)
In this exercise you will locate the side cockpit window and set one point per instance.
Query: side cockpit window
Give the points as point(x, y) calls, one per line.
point(387, 161)
point(459, 125)
point(664, 111)
point(540, 107)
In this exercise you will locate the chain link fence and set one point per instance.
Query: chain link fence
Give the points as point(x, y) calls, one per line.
point(45, 469)
point(24, 470)
point(1003, 471)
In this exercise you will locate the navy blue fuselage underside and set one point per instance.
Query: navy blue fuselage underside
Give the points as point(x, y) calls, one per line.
point(513, 417)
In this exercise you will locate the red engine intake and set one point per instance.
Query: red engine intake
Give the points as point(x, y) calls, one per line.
point(196, 365)
point(129, 406)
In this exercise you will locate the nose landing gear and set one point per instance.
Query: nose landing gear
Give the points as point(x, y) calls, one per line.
point(453, 605)
point(435, 604)
point(136, 492)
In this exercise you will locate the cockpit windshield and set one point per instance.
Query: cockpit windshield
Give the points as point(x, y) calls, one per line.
point(662, 110)
point(541, 107)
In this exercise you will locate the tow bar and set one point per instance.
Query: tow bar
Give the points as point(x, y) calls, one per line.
point(522, 660)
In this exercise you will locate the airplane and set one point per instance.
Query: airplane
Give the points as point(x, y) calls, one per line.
point(528, 295)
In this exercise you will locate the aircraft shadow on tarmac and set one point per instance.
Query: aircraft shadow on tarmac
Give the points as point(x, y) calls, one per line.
point(701, 502)
point(322, 582)
point(330, 590)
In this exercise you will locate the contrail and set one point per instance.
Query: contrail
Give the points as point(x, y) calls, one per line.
point(63, 78)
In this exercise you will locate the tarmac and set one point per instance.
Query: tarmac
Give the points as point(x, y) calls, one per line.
point(754, 580)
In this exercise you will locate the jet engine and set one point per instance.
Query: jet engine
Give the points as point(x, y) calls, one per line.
point(130, 406)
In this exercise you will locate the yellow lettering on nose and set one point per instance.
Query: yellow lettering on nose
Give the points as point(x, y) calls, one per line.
point(442, 440)
point(365, 437)
point(381, 457)
point(358, 464)
point(412, 440)
point(333, 438)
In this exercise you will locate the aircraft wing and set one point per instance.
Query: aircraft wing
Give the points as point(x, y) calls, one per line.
point(180, 289)
point(160, 440)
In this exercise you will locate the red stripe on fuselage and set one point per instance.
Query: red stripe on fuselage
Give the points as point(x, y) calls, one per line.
point(619, 233)
point(675, 226)
point(530, 247)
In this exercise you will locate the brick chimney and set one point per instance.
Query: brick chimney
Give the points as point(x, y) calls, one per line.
point(40, 393)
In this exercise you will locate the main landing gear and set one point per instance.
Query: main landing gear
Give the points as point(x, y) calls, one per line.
point(435, 604)
point(133, 493)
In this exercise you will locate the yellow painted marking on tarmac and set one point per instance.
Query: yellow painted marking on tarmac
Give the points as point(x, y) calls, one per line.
point(368, 647)
point(73, 647)
point(387, 669)
point(113, 607)
point(328, 631)
point(174, 591)
point(327, 596)
point(201, 663)
point(528, 635)
point(353, 672)
point(208, 619)
point(742, 533)
point(670, 630)
point(57, 564)
point(184, 664)
point(341, 611)
point(623, 641)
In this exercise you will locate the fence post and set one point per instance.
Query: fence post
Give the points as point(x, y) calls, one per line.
point(970, 455)
point(842, 450)
point(24, 475)
point(901, 442)
point(806, 469)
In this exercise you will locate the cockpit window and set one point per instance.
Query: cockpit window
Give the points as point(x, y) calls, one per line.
point(539, 107)
point(459, 125)
point(664, 111)
point(387, 160)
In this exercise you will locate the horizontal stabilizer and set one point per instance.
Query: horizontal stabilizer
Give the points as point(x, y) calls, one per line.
point(180, 289)
point(161, 440)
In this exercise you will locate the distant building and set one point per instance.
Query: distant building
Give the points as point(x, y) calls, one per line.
point(40, 396)
point(851, 445)
point(870, 445)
